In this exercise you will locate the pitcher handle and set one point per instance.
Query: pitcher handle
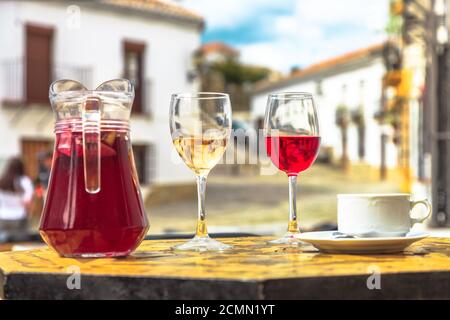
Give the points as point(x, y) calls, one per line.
point(91, 118)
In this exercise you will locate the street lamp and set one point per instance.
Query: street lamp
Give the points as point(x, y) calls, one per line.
point(440, 10)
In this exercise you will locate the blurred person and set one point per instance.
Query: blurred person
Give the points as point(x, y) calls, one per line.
point(16, 194)
point(45, 165)
point(45, 160)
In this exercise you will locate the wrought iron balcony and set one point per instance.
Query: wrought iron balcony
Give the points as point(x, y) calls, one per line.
point(16, 86)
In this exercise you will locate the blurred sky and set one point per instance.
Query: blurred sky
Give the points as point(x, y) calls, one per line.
point(285, 33)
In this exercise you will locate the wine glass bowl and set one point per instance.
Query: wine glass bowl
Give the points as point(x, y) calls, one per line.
point(292, 142)
point(200, 125)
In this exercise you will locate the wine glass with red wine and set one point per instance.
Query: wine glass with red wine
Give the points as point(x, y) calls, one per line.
point(292, 142)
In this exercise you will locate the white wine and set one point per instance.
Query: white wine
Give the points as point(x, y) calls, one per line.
point(200, 154)
point(200, 125)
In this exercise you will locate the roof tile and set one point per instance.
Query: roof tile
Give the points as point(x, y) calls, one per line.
point(321, 66)
point(218, 46)
point(158, 6)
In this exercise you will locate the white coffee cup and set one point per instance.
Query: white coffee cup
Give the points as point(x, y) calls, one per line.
point(378, 215)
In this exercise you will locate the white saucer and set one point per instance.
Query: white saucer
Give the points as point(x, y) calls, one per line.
point(326, 242)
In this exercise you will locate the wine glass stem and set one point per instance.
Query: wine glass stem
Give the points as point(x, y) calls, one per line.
point(293, 226)
point(201, 223)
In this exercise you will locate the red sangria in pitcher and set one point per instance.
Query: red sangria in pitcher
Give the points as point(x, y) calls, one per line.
point(94, 206)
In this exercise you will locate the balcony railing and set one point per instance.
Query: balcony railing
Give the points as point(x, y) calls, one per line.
point(13, 78)
point(81, 74)
point(13, 81)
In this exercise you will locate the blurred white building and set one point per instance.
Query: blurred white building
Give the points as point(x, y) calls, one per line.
point(353, 80)
point(149, 42)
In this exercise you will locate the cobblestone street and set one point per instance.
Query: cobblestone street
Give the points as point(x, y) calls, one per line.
point(259, 204)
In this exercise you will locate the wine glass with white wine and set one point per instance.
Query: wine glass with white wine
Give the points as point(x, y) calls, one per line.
point(200, 124)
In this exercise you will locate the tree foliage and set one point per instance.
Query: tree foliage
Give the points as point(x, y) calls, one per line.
point(238, 73)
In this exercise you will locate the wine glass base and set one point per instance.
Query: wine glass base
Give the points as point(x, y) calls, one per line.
point(202, 244)
point(290, 238)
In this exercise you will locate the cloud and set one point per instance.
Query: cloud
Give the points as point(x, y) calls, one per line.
point(281, 34)
point(283, 54)
point(329, 12)
point(224, 14)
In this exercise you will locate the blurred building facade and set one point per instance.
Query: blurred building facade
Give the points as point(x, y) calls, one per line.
point(417, 85)
point(149, 42)
point(211, 58)
point(216, 52)
point(348, 92)
point(221, 70)
point(404, 89)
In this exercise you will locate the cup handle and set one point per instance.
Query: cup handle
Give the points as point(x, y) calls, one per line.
point(427, 204)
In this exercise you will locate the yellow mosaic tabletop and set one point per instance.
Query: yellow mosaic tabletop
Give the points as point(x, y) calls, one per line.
point(252, 270)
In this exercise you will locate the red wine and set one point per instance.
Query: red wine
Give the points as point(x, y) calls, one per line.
point(111, 222)
point(292, 154)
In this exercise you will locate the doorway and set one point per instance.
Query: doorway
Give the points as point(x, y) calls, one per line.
point(38, 60)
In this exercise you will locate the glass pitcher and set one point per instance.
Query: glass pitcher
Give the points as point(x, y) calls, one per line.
point(94, 206)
